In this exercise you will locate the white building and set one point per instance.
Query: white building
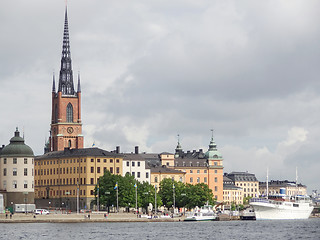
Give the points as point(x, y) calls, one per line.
point(17, 172)
point(135, 165)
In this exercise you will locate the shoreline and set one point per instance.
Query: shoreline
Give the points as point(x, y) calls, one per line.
point(82, 218)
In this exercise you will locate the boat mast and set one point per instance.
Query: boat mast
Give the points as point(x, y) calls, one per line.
point(267, 182)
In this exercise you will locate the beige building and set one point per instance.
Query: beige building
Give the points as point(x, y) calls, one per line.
point(231, 193)
point(247, 181)
point(161, 172)
point(291, 188)
point(64, 177)
point(17, 172)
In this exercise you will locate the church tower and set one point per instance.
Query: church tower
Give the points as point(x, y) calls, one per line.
point(66, 126)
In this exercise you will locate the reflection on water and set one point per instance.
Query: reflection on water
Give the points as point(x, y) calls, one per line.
point(290, 229)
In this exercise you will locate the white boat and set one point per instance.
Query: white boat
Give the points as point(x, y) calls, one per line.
point(205, 213)
point(282, 207)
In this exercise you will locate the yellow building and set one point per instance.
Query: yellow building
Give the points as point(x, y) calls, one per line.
point(65, 178)
point(231, 193)
point(161, 172)
point(247, 181)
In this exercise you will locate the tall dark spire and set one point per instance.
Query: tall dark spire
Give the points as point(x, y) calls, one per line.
point(79, 87)
point(53, 84)
point(66, 76)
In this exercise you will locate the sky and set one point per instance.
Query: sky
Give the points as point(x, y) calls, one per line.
point(151, 70)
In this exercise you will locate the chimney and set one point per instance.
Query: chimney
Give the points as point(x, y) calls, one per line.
point(117, 149)
point(200, 150)
point(136, 149)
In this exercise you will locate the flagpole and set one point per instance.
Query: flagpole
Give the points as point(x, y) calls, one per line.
point(117, 199)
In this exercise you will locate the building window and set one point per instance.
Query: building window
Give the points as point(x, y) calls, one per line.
point(26, 161)
point(198, 179)
point(4, 172)
point(205, 179)
point(25, 171)
point(98, 160)
point(118, 170)
point(133, 164)
point(98, 169)
point(14, 161)
point(111, 170)
point(91, 192)
point(111, 160)
point(14, 184)
point(92, 169)
point(205, 171)
point(138, 174)
point(191, 179)
point(138, 164)
point(215, 188)
point(147, 175)
point(104, 160)
point(133, 174)
point(14, 172)
point(198, 171)
point(191, 171)
point(69, 113)
point(92, 160)
point(155, 179)
point(215, 171)
point(91, 181)
point(128, 163)
point(117, 161)
point(4, 161)
point(25, 184)
point(215, 179)
point(180, 179)
point(4, 184)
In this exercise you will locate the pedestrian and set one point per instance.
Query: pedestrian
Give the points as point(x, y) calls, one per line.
point(10, 215)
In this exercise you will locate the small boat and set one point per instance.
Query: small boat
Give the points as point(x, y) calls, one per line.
point(282, 207)
point(248, 214)
point(205, 213)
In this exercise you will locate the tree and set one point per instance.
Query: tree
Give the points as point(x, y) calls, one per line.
point(199, 195)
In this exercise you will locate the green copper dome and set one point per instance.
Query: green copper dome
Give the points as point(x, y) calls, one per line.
point(213, 153)
point(17, 147)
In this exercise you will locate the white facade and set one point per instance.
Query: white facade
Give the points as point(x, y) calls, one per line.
point(136, 168)
point(17, 174)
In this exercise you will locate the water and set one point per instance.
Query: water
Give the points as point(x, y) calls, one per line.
point(289, 229)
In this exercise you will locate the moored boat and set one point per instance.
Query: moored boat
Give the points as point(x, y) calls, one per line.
point(282, 207)
point(205, 213)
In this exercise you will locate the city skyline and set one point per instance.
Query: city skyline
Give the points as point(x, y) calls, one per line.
point(150, 71)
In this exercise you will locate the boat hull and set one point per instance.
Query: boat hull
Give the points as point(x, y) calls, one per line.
point(270, 211)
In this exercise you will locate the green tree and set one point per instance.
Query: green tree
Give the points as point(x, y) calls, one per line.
point(199, 195)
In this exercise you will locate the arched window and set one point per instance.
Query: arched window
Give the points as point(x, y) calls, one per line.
point(69, 113)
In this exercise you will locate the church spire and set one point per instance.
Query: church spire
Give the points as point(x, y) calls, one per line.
point(66, 75)
point(79, 86)
point(53, 84)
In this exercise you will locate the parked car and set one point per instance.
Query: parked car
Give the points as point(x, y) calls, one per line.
point(41, 211)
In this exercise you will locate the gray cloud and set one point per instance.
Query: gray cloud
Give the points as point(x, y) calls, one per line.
point(152, 70)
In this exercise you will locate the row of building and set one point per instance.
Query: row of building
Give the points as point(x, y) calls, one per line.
point(67, 172)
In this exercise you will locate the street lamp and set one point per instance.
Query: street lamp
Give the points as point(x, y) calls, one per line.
point(155, 200)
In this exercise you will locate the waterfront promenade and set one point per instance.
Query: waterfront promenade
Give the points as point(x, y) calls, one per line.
point(82, 217)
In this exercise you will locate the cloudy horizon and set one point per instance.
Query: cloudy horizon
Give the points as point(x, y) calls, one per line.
point(151, 70)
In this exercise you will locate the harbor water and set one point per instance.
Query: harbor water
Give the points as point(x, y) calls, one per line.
point(278, 229)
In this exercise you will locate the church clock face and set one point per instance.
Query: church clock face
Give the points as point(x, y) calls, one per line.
point(70, 130)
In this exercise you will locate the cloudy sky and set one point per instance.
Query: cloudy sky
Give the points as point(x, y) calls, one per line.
point(153, 69)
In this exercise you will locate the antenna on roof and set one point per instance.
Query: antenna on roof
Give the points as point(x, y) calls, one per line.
point(211, 132)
